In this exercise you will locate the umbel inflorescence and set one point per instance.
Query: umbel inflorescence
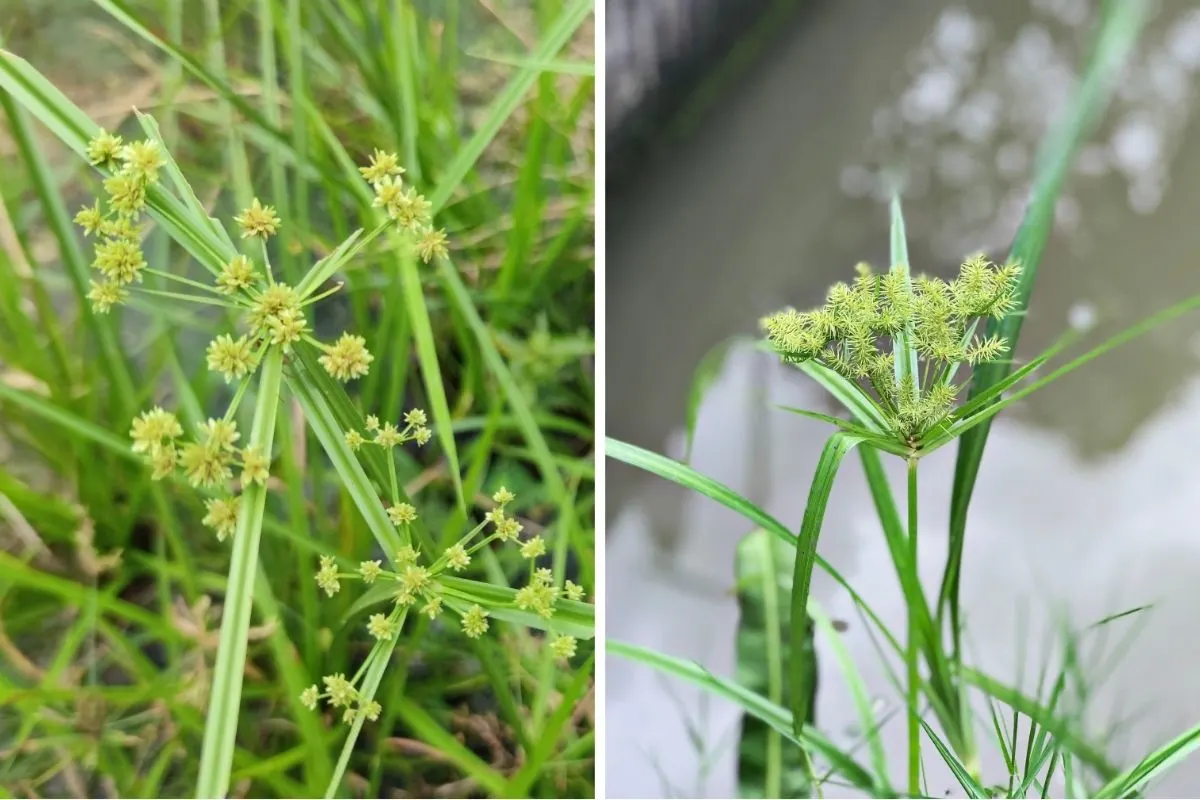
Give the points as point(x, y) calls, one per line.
point(856, 332)
point(417, 582)
point(269, 313)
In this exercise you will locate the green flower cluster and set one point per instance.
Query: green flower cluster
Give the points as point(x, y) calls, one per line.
point(939, 319)
point(118, 255)
point(273, 314)
point(416, 583)
point(207, 462)
point(407, 207)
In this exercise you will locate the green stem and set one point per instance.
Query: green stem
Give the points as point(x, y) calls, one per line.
point(220, 730)
point(912, 652)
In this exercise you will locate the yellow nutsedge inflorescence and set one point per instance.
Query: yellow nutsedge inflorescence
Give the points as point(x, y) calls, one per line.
point(341, 693)
point(387, 435)
point(406, 206)
point(417, 582)
point(258, 221)
point(939, 319)
point(272, 312)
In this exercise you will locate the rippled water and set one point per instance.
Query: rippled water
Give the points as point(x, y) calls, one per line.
point(1086, 503)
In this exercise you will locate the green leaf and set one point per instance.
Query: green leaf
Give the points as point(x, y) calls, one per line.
point(775, 716)
point(765, 769)
point(690, 479)
point(906, 351)
point(957, 768)
point(422, 328)
point(1121, 24)
point(806, 553)
point(509, 98)
point(1134, 781)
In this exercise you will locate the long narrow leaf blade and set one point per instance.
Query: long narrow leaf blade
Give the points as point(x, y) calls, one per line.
point(1119, 30)
point(806, 555)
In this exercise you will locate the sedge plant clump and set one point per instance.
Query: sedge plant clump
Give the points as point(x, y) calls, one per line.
point(417, 582)
point(856, 335)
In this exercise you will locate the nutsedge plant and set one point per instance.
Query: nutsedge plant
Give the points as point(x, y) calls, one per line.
point(272, 319)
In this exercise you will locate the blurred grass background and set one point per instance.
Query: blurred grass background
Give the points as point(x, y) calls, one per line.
point(110, 590)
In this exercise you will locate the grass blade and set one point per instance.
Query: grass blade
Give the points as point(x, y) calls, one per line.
point(906, 352)
point(1120, 26)
point(777, 717)
point(806, 553)
point(690, 479)
point(1133, 781)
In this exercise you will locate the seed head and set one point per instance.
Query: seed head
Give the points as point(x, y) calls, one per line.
point(120, 261)
point(255, 466)
point(388, 436)
point(415, 417)
point(238, 274)
point(573, 591)
point(431, 244)
point(222, 515)
point(383, 165)
point(233, 358)
point(163, 460)
point(121, 228)
point(533, 548)
point(538, 597)
point(503, 497)
point(143, 159)
point(371, 710)
point(103, 148)
point(309, 697)
point(414, 579)
point(219, 434)
point(126, 193)
point(381, 627)
point(258, 221)
point(348, 358)
point(411, 210)
point(286, 328)
point(204, 465)
point(475, 622)
point(457, 557)
point(389, 191)
point(370, 570)
point(507, 528)
point(327, 576)
point(563, 647)
point(433, 607)
point(90, 218)
point(342, 693)
point(153, 427)
point(402, 514)
point(105, 295)
point(354, 440)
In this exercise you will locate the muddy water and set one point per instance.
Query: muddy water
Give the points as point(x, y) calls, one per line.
point(1086, 500)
